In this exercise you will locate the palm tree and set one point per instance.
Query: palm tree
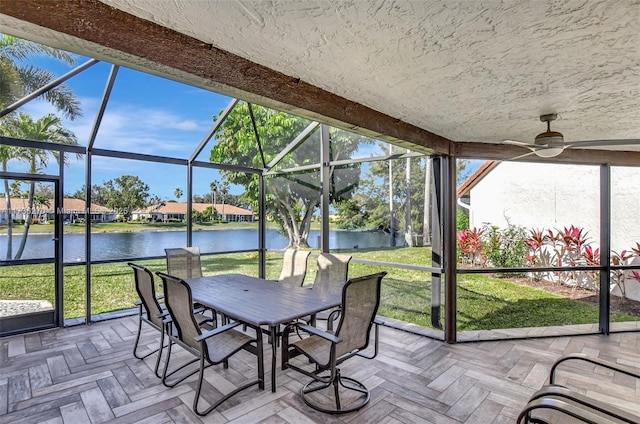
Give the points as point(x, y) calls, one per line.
point(214, 191)
point(15, 81)
point(178, 193)
point(6, 153)
point(48, 128)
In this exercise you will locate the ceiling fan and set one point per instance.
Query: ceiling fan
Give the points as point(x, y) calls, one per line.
point(551, 143)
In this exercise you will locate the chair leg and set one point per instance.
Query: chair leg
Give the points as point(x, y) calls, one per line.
point(137, 343)
point(203, 366)
point(336, 382)
point(166, 375)
point(160, 351)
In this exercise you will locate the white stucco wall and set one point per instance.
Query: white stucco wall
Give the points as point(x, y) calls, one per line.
point(552, 196)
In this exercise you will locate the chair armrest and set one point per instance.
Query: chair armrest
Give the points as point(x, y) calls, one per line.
point(316, 332)
point(216, 331)
point(378, 321)
point(566, 408)
point(633, 372)
point(563, 393)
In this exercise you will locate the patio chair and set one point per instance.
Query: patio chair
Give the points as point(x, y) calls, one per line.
point(556, 403)
point(209, 348)
point(149, 310)
point(332, 274)
point(154, 313)
point(184, 262)
point(294, 267)
point(360, 301)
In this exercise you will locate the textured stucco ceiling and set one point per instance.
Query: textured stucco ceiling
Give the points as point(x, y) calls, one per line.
point(467, 70)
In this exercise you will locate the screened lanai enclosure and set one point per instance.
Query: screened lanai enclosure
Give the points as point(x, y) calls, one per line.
point(139, 163)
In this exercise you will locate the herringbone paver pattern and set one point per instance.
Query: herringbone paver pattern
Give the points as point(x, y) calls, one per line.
point(87, 374)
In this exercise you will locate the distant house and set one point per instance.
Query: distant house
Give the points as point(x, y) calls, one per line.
point(178, 211)
point(72, 209)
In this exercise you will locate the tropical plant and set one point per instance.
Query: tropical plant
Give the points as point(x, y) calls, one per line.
point(470, 245)
point(178, 193)
point(538, 255)
point(16, 80)
point(48, 128)
point(618, 275)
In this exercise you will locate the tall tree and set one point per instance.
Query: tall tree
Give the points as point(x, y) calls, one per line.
point(48, 128)
point(16, 80)
point(373, 196)
point(7, 153)
point(292, 198)
point(178, 193)
point(99, 194)
point(126, 194)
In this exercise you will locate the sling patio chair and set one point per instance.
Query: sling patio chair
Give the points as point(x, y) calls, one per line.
point(332, 274)
point(329, 391)
point(554, 403)
point(209, 348)
point(149, 310)
point(294, 267)
point(154, 313)
point(184, 262)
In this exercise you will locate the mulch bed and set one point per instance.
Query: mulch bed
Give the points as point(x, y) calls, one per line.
point(618, 304)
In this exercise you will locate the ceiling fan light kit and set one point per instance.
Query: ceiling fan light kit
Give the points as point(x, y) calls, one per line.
point(548, 152)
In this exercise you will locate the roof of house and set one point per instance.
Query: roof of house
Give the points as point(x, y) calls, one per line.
point(476, 177)
point(181, 208)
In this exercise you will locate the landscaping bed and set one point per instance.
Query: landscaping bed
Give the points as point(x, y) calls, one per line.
point(618, 304)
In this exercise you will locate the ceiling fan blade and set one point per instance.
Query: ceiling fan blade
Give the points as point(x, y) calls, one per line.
point(519, 143)
point(604, 143)
point(524, 155)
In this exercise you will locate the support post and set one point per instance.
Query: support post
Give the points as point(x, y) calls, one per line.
point(262, 226)
point(605, 248)
point(450, 267)
point(436, 240)
point(325, 176)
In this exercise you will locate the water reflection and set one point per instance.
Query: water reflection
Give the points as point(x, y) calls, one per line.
point(105, 246)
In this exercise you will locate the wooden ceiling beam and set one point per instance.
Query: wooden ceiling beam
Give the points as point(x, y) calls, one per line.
point(118, 37)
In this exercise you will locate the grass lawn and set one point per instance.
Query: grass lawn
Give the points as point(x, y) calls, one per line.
point(483, 303)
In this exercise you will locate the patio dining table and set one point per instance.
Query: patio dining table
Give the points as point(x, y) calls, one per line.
point(259, 302)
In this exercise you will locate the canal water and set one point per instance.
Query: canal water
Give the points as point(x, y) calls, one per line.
point(106, 246)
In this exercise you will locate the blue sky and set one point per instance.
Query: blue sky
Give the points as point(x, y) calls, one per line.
point(145, 114)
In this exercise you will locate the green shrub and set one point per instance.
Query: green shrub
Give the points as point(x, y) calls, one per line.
point(505, 248)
